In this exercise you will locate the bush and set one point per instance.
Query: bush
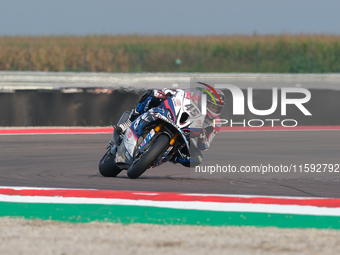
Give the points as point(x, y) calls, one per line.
point(269, 54)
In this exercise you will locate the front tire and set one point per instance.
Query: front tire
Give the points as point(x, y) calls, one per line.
point(157, 149)
point(108, 167)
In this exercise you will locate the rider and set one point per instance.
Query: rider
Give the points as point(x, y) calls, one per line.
point(153, 98)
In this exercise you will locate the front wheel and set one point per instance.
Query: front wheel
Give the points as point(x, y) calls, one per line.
point(156, 150)
point(108, 167)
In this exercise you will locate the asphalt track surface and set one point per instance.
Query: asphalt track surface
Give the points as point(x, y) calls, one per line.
point(71, 161)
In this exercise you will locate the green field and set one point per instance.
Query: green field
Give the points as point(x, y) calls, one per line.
point(265, 54)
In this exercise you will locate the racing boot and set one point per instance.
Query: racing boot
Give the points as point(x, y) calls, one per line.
point(121, 128)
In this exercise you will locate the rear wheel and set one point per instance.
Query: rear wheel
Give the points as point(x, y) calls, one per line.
point(156, 150)
point(108, 167)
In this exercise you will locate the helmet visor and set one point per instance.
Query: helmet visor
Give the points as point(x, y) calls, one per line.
point(214, 108)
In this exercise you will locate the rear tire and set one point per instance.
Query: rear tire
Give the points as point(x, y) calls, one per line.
point(108, 167)
point(157, 149)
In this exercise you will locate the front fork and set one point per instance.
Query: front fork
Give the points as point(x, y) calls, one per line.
point(171, 143)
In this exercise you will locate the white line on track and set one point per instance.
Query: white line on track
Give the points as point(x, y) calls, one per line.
point(158, 193)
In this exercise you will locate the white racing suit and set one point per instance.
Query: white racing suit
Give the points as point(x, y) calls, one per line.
point(153, 98)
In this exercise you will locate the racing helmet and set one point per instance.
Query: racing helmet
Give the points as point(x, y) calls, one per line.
point(214, 104)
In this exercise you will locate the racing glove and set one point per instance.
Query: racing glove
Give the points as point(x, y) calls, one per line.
point(150, 99)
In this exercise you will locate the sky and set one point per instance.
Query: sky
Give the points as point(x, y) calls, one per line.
point(172, 17)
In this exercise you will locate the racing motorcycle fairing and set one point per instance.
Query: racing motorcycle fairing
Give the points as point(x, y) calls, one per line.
point(177, 115)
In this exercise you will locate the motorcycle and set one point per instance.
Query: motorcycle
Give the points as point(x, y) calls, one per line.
point(155, 136)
